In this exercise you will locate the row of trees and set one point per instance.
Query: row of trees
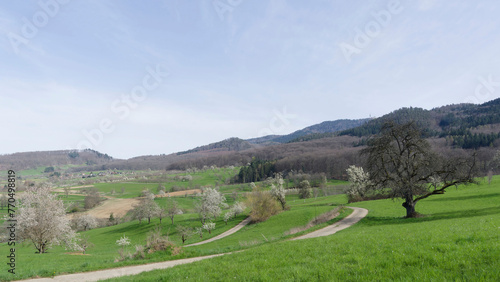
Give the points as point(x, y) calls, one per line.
point(256, 171)
point(149, 209)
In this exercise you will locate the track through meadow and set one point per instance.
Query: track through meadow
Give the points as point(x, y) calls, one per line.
point(353, 218)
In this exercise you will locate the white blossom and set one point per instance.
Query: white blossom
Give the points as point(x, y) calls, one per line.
point(237, 208)
point(211, 203)
point(86, 222)
point(209, 227)
point(227, 216)
point(123, 241)
point(278, 192)
point(42, 220)
point(359, 181)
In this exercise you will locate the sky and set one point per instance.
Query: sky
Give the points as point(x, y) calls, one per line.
point(131, 78)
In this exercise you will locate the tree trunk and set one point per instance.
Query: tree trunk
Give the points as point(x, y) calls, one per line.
point(409, 205)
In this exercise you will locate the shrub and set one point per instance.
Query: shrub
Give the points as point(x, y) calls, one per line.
point(262, 205)
point(123, 242)
point(92, 199)
point(139, 252)
point(155, 241)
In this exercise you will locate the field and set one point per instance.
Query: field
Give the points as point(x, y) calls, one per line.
point(105, 251)
point(456, 239)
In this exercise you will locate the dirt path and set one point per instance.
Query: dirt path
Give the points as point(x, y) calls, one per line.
point(122, 271)
point(350, 220)
point(225, 234)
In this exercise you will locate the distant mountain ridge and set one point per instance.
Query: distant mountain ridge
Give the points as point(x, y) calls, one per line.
point(325, 127)
point(32, 160)
point(326, 147)
point(230, 144)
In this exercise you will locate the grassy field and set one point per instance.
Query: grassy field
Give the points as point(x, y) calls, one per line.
point(456, 239)
point(103, 254)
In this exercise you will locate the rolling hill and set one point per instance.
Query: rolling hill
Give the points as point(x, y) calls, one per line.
point(328, 147)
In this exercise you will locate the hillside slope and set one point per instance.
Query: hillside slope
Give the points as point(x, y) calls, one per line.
point(325, 127)
point(32, 160)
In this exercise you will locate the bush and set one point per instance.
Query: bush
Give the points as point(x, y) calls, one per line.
point(155, 241)
point(262, 205)
point(74, 207)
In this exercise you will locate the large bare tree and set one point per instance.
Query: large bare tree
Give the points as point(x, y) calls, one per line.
point(401, 161)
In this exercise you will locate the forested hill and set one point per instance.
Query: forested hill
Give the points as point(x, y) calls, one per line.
point(231, 144)
point(464, 125)
point(314, 149)
point(32, 160)
point(326, 128)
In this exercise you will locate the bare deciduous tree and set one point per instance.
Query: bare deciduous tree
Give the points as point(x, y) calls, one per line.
point(92, 199)
point(400, 160)
point(172, 209)
point(185, 232)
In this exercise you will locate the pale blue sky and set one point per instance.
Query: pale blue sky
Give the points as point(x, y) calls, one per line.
point(247, 69)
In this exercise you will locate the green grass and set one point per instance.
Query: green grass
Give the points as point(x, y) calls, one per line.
point(456, 239)
point(200, 179)
point(273, 229)
point(103, 254)
point(132, 189)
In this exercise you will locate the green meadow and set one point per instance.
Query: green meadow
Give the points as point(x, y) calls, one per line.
point(105, 251)
point(456, 239)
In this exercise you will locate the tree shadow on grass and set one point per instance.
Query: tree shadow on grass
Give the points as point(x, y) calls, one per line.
point(377, 221)
point(460, 198)
point(136, 228)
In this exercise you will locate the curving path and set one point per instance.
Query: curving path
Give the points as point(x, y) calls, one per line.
point(350, 220)
point(225, 234)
